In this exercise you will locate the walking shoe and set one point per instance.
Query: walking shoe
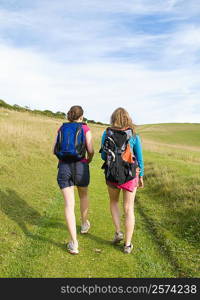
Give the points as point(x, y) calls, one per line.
point(71, 249)
point(128, 249)
point(85, 227)
point(118, 237)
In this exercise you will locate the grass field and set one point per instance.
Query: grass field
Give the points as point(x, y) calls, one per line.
point(33, 233)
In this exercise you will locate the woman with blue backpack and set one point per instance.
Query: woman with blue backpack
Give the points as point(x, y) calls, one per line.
point(74, 149)
point(124, 169)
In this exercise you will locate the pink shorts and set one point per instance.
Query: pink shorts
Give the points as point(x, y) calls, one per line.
point(127, 186)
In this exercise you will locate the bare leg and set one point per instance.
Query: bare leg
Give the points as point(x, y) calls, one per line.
point(84, 203)
point(68, 194)
point(114, 207)
point(128, 198)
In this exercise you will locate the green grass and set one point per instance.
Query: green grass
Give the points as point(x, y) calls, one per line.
point(33, 233)
point(182, 134)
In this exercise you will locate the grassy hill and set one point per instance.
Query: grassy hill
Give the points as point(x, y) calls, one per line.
point(174, 133)
point(33, 233)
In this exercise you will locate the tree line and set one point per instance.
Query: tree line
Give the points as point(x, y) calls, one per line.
point(47, 113)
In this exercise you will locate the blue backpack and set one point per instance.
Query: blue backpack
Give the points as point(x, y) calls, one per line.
point(70, 144)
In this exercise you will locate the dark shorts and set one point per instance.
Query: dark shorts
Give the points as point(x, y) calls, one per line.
point(75, 173)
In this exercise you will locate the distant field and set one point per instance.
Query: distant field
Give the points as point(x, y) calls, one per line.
point(174, 133)
point(33, 233)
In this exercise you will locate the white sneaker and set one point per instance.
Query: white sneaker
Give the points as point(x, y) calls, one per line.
point(128, 249)
point(85, 227)
point(71, 249)
point(118, 237)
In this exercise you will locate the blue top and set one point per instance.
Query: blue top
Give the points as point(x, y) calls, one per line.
point(136, 145)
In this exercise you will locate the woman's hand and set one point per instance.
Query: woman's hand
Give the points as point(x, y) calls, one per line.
point(141, 182)
point(89, 160)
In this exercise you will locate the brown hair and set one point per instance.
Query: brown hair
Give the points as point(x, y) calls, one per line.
point(74, 113)
point(121, 119)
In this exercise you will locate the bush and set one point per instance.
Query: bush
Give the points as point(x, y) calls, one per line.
point(48, 113)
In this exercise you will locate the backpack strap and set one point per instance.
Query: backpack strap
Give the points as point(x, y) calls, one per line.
point(129, 133)
point(109, 131)
point(107, 142)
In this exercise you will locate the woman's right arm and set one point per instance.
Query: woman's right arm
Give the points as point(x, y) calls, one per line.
point(89, 146)
point(53, 149)
point(55, 141)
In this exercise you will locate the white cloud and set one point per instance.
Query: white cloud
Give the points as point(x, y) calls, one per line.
point(56, 54)
point(182, 47)
point(188, 37)
point(139, 7)
point(32, 79)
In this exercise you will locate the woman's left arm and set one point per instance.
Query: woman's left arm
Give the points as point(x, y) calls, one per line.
point(103, 154)
point(139, 156)
point(89, 146)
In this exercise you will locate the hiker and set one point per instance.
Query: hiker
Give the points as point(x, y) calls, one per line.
point(74, 149)
point(124, 169)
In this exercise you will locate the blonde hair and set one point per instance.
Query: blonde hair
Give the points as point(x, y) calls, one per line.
point(121, 119)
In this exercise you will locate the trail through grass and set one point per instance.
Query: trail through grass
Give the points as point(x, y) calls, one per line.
point(33, 231)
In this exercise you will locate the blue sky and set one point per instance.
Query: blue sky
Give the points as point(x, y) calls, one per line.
point(143, 55)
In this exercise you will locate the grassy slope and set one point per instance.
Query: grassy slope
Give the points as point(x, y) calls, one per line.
point(33, 232)
point(173, 133)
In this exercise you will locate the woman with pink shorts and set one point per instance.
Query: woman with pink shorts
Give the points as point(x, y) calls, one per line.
point(121, 121)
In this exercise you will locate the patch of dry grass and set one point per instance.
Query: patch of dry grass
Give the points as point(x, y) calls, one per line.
point(180, 152)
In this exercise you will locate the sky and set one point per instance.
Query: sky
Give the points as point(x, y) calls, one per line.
point(143, 55)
